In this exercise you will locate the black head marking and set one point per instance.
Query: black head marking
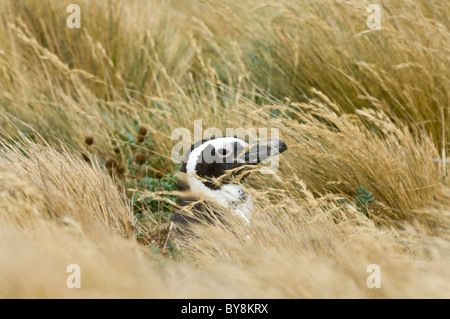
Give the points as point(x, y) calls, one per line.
point(216, 161)
point(228, 153)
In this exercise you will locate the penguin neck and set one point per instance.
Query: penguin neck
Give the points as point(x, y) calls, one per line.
point(230, 196)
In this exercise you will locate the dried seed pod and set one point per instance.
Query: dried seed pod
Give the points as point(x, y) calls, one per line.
point(111, 163)
point(140, 138)
point(143, 130)
point(159, 175)
point(121, 169)
point(140, 159)
point(89, 140)
point(117, 149)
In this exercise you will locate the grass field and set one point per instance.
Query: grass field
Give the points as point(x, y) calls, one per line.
point(365, 114)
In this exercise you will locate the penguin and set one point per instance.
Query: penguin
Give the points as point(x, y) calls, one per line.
point(212, 171)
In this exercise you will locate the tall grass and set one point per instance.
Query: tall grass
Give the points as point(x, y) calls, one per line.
point(364, 114)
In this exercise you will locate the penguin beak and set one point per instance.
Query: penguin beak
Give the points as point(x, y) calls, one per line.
point(264, 149)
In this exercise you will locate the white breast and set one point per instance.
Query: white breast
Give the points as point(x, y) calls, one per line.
point(230, 196)
point(239, 202)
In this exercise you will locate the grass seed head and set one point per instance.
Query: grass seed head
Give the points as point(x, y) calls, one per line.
point(86, 157)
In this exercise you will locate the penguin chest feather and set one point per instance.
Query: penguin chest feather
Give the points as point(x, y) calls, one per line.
point(229, 196)
point(237, 201)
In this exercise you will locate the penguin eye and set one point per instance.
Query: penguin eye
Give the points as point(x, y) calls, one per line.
point(223, 152)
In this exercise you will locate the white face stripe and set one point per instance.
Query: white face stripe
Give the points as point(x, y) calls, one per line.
point(217, 143)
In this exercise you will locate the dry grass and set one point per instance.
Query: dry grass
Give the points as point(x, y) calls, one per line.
point(361, 111)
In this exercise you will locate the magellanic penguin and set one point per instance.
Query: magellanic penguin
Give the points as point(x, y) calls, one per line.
point(212, 169)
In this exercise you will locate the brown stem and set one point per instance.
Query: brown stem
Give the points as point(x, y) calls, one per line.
point(159, 200)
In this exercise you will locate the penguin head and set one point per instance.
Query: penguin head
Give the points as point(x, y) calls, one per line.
point(212, 158)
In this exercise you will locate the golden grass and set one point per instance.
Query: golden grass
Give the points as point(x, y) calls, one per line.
point(355, 107)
